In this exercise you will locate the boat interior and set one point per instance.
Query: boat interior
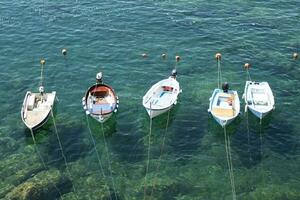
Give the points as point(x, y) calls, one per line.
point(162, 96)
point(259, 97)
point(36, 108)
point(223, 105)
point(34, 100)
point(101, 100)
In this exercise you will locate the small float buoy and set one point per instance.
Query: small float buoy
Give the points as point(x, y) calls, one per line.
point(218, 56)
point(163, 55)
point(295, 56)
point(177, 58)
point(64, 51)
point(247, 65)
point(144, 55)
point(43, 62)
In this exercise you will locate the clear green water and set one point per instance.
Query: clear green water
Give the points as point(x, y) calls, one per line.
point(111, 36)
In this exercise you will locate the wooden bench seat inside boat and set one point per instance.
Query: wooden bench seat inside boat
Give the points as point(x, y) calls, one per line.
point(103, 108)
point(223, 112)
point(101, 91)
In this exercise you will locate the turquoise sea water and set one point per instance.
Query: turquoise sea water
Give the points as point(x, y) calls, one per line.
point(110, 36)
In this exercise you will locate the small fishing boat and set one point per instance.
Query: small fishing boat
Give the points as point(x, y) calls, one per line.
point(162, 96)
point(37, 107)
point(224, 105)
point(259, 98)
point(100, 100)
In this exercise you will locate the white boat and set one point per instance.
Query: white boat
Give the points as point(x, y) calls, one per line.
point(162, 96)
point(37, 107)
point(100, 101)
point(259, 98)
point(224, 105)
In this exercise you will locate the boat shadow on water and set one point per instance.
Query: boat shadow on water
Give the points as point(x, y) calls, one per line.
point(131, 146)
point(109, 127)
point(161, 121)
point(246, 142)
point(231, 129)
point(255, 139)
point(71, 135)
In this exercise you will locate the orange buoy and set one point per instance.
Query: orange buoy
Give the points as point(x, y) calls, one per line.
point(144, 55)
point(177, 58)
point(247, 65)
point(295, 55)
point(64, 52)
point(43, 62)
point(163, 55)
point(218, 56)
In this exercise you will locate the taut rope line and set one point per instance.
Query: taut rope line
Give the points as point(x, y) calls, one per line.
point(229, 163)
point(261, 148)
point(108, 159)
point(63, 155)
point(97, 154)
point(161, 152)
point(218, 56)
point(148, 154)
point(43, 162)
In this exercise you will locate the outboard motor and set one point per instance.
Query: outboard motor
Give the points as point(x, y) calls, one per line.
point(225, 87)
point(99, 77)
point(174, 73)
point(41, 89)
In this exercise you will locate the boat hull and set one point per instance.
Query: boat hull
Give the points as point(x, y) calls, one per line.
point(257, 113)
point(223, 123)
point(161, 97)
point(267, 96)
point(154, 112)
point(100, 117)
point(224, 120)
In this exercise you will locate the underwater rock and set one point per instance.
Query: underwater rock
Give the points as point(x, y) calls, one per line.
point(5, 188)
point(17, 168)
point(92, 187)
point(44, 185)
point(7, 145)
point(275, 192)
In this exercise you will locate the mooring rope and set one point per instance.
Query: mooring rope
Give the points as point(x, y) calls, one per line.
point(248, 77)
point(42, 69)
point(248, 135)
point(148, 154)
point(63, 155)
point(42, 160)
point(219, 74)
point(261, 149)
point(161, 152)
point(229, 163)
point(97, 154)
point(232, 174)
point(108, 159)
